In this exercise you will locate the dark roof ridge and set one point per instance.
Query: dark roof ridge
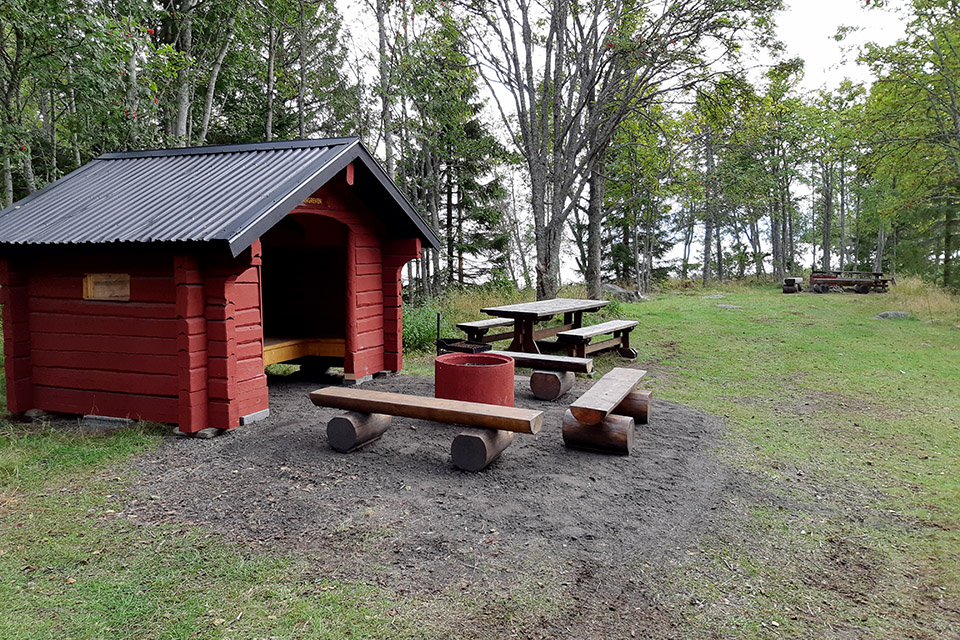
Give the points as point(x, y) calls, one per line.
point(303, 143)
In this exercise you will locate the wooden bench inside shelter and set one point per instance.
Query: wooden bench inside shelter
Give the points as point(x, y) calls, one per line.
point(577, 341)
point(603, 418)
point(276, 350)
point(369, 414)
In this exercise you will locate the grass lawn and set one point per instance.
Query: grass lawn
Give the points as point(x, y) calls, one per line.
point(845, 427)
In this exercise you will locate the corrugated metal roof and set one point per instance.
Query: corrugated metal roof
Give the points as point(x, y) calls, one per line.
point(229, 193)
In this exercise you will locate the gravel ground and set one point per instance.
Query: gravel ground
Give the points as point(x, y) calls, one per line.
point(397, 513)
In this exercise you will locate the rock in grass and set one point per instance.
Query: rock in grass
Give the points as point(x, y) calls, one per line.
point(892, 315)
point(729, 306)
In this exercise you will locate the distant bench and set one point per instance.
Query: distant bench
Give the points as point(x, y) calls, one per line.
point(369, 413)
point(577, 341)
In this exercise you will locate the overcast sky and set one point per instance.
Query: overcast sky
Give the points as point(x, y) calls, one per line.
point(807, 29)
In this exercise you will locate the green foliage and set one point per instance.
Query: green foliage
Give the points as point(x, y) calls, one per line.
point(420, 326)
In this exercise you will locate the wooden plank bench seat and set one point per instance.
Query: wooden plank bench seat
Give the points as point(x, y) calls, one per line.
point(603, 418)
point(553, 375)
point(477, 330)
point(276, 350)
point(578, 344)
point(369, 412)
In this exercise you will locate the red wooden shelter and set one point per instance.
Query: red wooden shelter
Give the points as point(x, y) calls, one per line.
point(157, 284)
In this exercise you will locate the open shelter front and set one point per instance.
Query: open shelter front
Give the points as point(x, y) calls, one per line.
point(157, 284)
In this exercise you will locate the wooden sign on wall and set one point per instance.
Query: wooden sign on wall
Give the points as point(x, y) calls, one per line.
point(106, 286)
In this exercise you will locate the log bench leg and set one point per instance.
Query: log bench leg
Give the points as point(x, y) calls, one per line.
point(474, 449)
point(353, 430)
point(636, 405)
point(613, 435)
point(550, 385)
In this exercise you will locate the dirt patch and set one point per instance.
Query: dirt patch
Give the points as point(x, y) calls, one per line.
point(570, 528)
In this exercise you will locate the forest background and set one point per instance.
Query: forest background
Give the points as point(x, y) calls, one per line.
point(638, 135)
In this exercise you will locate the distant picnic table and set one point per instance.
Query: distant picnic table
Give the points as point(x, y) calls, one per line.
point(861, 281)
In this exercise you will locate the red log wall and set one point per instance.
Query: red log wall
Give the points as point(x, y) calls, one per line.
point(186, 348)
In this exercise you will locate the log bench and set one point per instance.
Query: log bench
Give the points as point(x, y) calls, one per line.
point(553, 375)
point(477, 330)
point(369, 413)
point(603, 418)
point(792, 285)
point(577, 341)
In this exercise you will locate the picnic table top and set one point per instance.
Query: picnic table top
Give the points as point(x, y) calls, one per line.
point(850, 271)
point(543, 309)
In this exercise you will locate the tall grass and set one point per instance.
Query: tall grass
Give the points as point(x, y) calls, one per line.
point(924, 300)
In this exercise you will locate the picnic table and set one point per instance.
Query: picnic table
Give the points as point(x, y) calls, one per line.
point(525, 315)
point(861, 281)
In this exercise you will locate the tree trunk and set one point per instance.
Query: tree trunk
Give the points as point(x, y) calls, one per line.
point(449, 228)
point(708, 208)
point(826, 241)
point(183, 75)
point(271, 77)
point(948, 249)
point(28, 175)
point(515, 229)
point(302, 76)
point(7, 182)
point(212, 83)
point(594, 227)
point(881, 241)
point(385, 98)
point(843, 214)
point(73, 113)
point(132, 99)
point(548, 262)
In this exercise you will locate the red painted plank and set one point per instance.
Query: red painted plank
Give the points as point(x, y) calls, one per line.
point(142, 289)
point(392, 361)
point(190, 300)
point(143, 363)
point(370, 323)
point(123, 405)
point(367, 255)
point(220, 331)
point(246, 350)
point(97, 308)
point(247, 317)
point(369, 312)
point(369, 340)
point(369, 297)
point(369, 283)
point(223, 414)
point(191, 343)
point(98, 380)
point(114, 344)
point(112, 325)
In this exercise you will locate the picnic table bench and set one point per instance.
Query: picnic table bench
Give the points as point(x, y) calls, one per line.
point(861, 281)
point(477, 330)
point(577, 341)
point(603, 418)
point(369, 414)
point(553, 375)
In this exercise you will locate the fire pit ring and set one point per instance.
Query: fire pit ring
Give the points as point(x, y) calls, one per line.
point(475, 377)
